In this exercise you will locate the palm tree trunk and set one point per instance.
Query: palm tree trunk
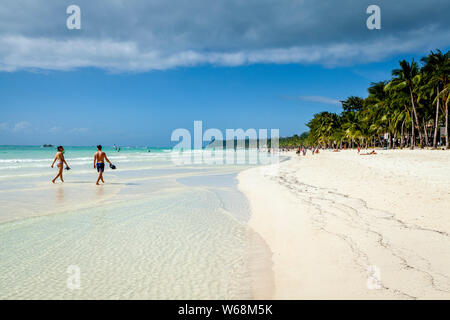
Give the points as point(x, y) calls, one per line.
point(402, 136)
point(425, 131)
point(436, 122)
point(415, 114)
point(413, 136)
point(446, 125)
point(395, 139)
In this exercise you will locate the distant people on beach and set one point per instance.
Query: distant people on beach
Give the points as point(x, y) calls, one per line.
point(99, 163)
point(368, 153)
point(60, 160)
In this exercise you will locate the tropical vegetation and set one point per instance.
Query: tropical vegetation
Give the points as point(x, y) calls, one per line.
point(408, 110)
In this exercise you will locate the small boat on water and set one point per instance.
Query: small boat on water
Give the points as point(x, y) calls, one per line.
point(47, 146)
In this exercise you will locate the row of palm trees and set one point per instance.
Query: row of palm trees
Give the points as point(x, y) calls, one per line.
point(408, 110)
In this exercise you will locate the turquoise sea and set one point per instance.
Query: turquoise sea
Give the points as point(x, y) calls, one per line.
point(155, 230)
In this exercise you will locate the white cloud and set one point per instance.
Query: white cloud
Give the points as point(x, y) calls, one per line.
point(17, 127)
point(18, 52)
point(20, 126)
point(4, 126)
point(79, 130)
point(159, 35)
point(320, 99)
point(55, 129)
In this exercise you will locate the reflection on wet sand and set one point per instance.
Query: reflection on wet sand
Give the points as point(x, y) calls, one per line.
point(99, 191)
point(60, 193)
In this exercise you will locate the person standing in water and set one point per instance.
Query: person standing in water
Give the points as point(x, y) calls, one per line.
point(99, 163)
point(59, 159)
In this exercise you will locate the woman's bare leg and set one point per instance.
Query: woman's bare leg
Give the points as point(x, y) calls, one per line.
point(59, 174)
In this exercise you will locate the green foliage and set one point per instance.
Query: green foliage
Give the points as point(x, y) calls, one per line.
point(295, 140)
point(414, 100)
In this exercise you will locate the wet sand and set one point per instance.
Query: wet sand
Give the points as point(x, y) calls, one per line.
point(154, 230)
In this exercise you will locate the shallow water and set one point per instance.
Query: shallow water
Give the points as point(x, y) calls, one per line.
point(155, 230)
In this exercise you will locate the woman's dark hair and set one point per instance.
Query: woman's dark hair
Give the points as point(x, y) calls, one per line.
point(60, 148)
point(99, 147)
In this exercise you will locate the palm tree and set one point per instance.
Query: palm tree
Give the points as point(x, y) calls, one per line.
point(446, 97)
point(437, 67)
point(414, 99)
point(322, 127)
point(424, 101)
point(398, 102)
point(352, 103)
point(350, 124)
point(407, 77)
point(380, 113)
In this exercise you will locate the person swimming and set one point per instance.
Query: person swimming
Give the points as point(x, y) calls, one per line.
point(60, 160)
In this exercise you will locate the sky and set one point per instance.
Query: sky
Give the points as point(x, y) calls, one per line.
point(137, 70)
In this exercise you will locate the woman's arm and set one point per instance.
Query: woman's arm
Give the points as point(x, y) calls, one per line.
point(64, 160)
point(53, 162)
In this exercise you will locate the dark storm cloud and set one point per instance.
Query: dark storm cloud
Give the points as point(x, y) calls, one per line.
point(145, 35)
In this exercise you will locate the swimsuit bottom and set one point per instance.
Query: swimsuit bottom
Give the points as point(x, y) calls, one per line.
point(100, 166)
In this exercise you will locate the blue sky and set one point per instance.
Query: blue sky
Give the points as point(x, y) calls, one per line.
point(135, 71)
point(91, 106)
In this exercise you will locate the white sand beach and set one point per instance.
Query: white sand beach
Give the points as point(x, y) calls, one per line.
point(345, 226)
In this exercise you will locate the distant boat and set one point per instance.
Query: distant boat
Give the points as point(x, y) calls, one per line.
point(47, 146)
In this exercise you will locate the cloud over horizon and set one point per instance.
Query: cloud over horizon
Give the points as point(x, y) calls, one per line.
point(16, 127)
point(320, 99)
point(123, 36)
